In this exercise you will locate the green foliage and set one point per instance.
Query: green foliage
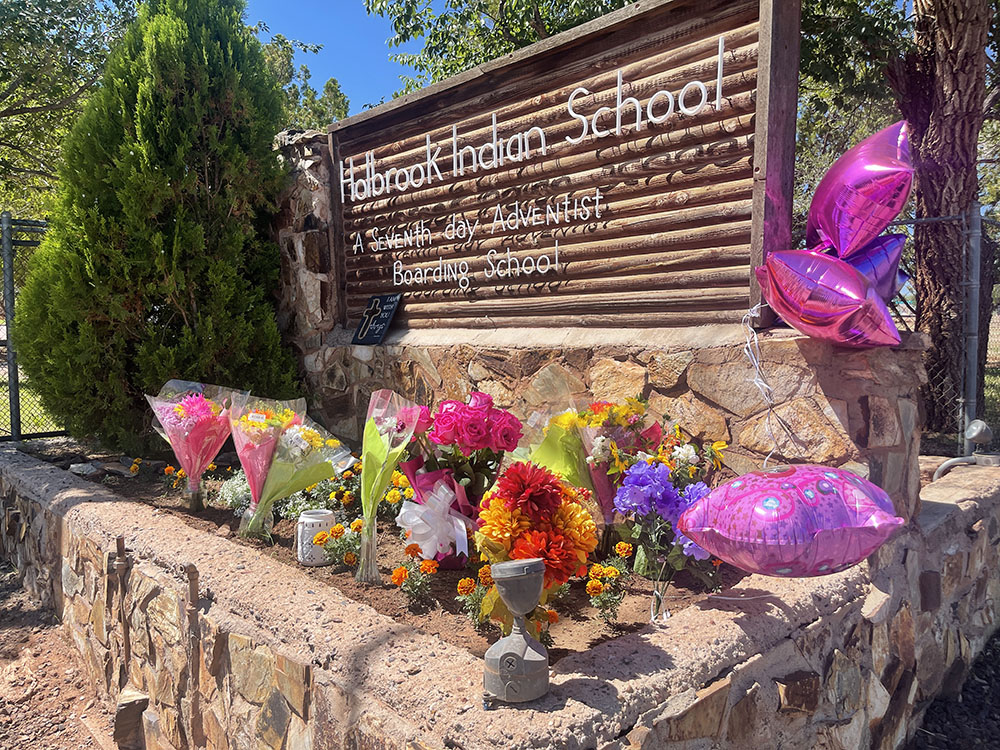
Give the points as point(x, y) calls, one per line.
point(305, 108)
point(466, 33)
point(155, 266)
point(51, 53)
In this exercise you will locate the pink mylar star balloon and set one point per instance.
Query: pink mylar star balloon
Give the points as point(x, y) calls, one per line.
point(824, 297)
point(792, 521)
point(879, 262)
point(862, 192)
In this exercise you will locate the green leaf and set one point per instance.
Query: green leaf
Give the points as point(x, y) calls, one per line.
point(641, 563)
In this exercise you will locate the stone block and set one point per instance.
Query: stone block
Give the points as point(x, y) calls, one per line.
point(690, 717)
point(798, 691)
point(814, 438)
point(611, 380)
point(251, 669)
point(294, 681)
point(878, 699)
point(843, 685)
point(215, 735)
point(272, 724)
point(730, 383)
point(164, 614)
point(666, 369)
point(300, 735)
point(127, 733)
point(503, 397)
point(553, 384)
point(743, 723)
point(930, 591)
point(877, 606)
point(695, 417)
point(884, 429)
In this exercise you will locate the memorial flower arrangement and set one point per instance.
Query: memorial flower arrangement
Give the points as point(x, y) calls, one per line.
point(389, 426)
point(194, 419)
point(655, 490)
point(606, 582)
point(531, 512)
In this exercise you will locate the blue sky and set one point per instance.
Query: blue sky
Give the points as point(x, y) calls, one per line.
point(354, 49)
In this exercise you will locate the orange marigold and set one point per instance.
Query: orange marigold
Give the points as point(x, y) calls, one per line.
point(623, 549)
point(337, 531)
point(595, 588)
point(350, 558)
point(430, 567)
point(399, 575)
point(169, 470)
point(611, 572)
point(356, 525)
point(412, 550)
point(466, 586)
point(321, 538)
point(486, 576)
point(552, 615)
point(596, 570)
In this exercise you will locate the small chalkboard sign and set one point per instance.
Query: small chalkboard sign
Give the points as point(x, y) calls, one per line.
point(376, 318)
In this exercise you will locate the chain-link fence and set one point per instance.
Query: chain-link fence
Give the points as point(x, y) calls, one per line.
point(21, 412)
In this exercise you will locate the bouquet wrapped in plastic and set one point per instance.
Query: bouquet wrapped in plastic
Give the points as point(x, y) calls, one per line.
point(303, 455)
point(389, 427)
point(257, 423)
point(194, 419)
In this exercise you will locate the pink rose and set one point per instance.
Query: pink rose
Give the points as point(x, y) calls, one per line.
point(449, 407)
point(505, 430)
point(445, 428)
point(473, 433)
point(419, 416)
point(479, 400)
point(424, 421)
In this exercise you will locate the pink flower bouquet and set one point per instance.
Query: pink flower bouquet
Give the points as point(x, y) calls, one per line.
point(257, 423)
point(194, 419)
point(470, 439)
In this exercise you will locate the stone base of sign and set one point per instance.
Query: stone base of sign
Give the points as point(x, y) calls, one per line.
point(845, 661)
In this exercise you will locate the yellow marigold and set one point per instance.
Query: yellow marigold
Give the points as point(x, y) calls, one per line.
point(399, 575)
point(332, 443)
point(611, 572)
point(466, 586)
point(430, 567)
point(229, 469)
point(311, 487)
point(552, 616)
point(133, 469)
point(403, 482)
point(347, 474)
point(398, 478)
point(356, 525)
point(169, 470)
point(503, 525)
point(412, 550)
point(323, 537)
point(486, 576)
point(350, 558)
point(576, 524)
point(408, 493)
point(623, 549)
point(595, 588)
point(137, 461)
point(181, 473)
point(347, 499)
point(337, 531)
point(393, 496)
point(211, 467)
point(596, 570)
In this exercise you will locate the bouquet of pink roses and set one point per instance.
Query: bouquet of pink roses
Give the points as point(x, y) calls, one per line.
point(194, 419)
point(470, 439)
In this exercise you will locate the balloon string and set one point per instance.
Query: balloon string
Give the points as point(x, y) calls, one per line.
point(752, 351)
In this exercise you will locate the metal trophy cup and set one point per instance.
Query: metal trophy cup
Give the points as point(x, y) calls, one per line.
point(517, 666)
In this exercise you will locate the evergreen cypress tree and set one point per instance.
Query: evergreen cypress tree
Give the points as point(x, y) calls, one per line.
point(156, 264)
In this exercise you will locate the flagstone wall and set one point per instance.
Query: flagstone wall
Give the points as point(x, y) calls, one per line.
point(267, 657)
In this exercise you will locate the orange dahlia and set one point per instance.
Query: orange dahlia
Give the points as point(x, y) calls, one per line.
point(557, 551)
point(574, 522)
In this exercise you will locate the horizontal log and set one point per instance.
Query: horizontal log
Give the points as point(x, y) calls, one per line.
point(679, 191)
point(719, 18)
point(726, 140)
point(639, 80)
point(668, 299)
point(627, 317)
point(558, 285)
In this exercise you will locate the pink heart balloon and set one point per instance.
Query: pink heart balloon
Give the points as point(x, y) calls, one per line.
point(799, 520)
point(879, 262)
point(862, 192)
point(824, 297)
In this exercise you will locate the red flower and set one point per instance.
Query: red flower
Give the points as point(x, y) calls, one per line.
point(559, 554)
point(530, 488)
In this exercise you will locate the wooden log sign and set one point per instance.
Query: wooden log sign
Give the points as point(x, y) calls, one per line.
point(628, 172)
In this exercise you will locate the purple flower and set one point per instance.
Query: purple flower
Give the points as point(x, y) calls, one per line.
point(695, 492)
point(647, 488)
point(690, 548)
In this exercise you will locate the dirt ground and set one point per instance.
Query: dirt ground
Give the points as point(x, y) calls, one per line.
point(46, 700)
point(579, 628)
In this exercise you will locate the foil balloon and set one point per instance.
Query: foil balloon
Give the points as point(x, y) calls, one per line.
point(792, 521)
point(879, 262)
point(862, 192)
point(824, 297)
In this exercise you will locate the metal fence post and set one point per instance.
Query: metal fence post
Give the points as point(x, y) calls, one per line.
point(13, 394)
point(972, 317)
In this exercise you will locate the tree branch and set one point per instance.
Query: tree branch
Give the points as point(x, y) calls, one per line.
point(54, 106)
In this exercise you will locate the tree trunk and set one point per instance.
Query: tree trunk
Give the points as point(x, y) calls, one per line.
point(939, 88)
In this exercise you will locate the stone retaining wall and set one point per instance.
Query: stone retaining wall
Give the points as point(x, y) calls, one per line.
point(267, 658)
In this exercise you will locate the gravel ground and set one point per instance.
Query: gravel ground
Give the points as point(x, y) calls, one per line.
point(972, 719)
point(46, 700)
